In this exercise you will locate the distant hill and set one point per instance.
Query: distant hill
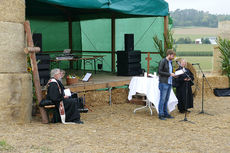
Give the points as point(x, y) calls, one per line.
point(192, 17)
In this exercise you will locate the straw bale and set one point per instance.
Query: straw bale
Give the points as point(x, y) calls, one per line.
point(216, 70)
point(12, 11)
point(120, 95)
point(214, 82)
point(96, 98)
point(12, 56)
point(16, 97)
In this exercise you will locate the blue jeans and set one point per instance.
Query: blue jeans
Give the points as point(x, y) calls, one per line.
point(165, 90)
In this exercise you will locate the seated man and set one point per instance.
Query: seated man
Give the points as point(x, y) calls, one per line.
point(55, 92)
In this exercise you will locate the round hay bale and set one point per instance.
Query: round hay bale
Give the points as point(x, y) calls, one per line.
point(12, 11)
point(12, 56)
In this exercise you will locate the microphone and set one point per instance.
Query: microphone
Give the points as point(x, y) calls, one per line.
point(178, 63)
point(195, 63)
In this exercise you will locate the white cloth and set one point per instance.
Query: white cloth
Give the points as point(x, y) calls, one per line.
point(149, 86)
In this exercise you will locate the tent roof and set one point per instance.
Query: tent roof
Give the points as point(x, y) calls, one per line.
point(97, 8)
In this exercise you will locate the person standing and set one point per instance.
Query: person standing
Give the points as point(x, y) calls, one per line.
point(183, 84)
point(165, 71)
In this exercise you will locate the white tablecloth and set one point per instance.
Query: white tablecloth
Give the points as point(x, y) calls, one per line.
point(149, 86)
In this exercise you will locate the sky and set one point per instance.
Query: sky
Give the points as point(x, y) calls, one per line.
point(212, 6)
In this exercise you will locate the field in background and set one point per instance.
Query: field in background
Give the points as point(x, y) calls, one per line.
point(205, 61)
point(196, 31)
point(194, 49)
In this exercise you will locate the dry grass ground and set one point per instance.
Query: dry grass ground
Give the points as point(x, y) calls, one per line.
point(116, 129)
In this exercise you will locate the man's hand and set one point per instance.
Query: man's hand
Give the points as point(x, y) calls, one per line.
point(173, 74)
point(66, 97)
point(187, 79)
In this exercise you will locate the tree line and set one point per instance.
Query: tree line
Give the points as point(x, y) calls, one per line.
point(192, 17)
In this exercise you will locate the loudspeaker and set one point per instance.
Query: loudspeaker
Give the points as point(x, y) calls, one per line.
point(37, 39)
point(43, 68)
point(129, 42)
point(128, 63)
point(128, 57)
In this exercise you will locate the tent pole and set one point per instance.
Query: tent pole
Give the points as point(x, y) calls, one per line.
point(166, 20)
point(113, 32)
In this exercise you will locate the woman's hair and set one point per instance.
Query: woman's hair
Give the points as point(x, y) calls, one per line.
point(54, 71)
point(183, 60)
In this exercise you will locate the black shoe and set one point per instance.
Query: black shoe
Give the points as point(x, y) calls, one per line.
point(162, 118)
point(79, 122)
point(168, 116)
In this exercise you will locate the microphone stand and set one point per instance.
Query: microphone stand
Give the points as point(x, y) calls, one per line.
point(186, 96)
point(186, 100)
point(202, 100)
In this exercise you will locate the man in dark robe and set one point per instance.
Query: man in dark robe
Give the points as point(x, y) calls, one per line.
point(55, 93)
point(183, 84)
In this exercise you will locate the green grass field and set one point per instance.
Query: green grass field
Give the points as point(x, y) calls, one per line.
point(205, 61)
point(194, 33)
point(194, 47)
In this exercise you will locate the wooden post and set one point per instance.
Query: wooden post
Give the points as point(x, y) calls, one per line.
point(113, 32)
point(166, 21)
point(148, 60)
point(36, 79)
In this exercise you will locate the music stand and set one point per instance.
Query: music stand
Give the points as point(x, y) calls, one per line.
point(202, 99)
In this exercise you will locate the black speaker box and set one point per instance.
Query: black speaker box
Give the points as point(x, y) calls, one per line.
point(128, 63)
point(129, 69)
point(43, 67)
point(129, 42)
point(128, 57)
point(37, 39)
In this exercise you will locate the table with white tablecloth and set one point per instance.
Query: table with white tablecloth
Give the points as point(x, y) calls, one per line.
point(149, 87)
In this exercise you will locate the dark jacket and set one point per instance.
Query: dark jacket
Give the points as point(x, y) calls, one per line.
point(163, 71)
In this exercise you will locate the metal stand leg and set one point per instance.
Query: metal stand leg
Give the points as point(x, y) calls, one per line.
point(147, 105)
point(95, 70)
point(110, 95)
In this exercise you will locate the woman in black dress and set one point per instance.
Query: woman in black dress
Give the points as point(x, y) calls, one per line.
point(183, 84)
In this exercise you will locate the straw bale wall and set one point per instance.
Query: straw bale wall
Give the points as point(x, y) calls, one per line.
point(12, 43)
point(16, 83)
point(12, 11)
point(16, 97)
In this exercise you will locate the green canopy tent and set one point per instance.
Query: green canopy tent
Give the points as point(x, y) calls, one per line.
point(79, 14)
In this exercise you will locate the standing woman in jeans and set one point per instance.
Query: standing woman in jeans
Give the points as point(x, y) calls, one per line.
point(165, 72)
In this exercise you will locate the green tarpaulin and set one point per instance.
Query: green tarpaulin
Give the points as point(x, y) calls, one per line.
point(117, 8)
point(91, 26)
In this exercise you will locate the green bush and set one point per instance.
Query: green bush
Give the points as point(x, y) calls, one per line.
point(224, 47)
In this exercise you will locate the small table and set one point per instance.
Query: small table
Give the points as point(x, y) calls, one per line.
point(149, 87)
point(86, 59)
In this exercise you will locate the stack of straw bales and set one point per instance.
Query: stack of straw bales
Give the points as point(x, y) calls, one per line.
point(16, 85)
